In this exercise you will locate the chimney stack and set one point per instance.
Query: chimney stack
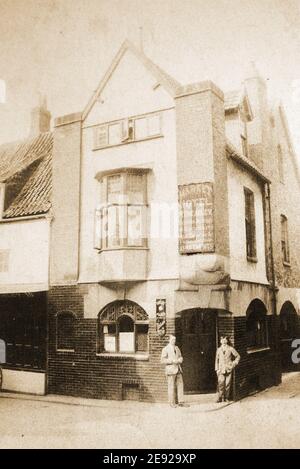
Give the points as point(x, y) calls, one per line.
point(40, 118)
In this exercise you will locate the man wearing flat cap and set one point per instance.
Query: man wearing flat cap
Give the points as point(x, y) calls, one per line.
point(172, 358)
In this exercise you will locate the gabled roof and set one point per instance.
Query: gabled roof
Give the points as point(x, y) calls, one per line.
point(245, 162)
point(25, 167)
point(171, 85)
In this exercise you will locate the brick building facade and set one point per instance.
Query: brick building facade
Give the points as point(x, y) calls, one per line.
point(171, 212)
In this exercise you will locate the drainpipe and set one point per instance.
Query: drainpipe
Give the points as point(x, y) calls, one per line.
point(274, 288)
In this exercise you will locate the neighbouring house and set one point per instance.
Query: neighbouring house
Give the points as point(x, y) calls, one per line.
point(25, 192)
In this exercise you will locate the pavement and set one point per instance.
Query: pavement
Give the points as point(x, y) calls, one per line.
point(269, 419)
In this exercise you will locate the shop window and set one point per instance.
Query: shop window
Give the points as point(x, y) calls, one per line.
point(250, 224)
point(121, 220)
point(23, 329)
point(123, 328)
point(256, 326)
point(65, 331)
point(285, 240)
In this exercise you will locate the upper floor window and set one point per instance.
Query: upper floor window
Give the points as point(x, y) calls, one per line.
point(127, 130)
point(285, 239)
point(280, 163)
point(250, 224)
point(121, 219)
point(123, 328)
point(256, 325)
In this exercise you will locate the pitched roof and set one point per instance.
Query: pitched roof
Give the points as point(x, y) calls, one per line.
point(168, 82)
point(25, 167)
point(242, 160)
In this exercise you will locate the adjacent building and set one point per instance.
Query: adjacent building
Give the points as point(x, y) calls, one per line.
point(173, 210)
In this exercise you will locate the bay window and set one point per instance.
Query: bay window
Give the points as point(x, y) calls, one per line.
point(120, 220)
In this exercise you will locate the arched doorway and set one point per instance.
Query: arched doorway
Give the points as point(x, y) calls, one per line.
point(198, 342)
point(288, 331)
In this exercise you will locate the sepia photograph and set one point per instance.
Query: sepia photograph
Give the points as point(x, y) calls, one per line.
point(149, 226)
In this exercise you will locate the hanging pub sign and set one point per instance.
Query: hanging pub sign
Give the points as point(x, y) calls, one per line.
point(161, 317)
point(196, 218)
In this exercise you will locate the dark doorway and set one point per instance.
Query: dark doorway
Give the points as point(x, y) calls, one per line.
point(198, 350)
point(288, 331)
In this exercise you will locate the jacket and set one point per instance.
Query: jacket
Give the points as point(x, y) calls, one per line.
point(226, 359)
point(169, 355)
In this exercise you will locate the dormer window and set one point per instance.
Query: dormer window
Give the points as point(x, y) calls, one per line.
point(127, 130)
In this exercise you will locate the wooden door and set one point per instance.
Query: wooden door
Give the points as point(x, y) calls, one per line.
point(198, 350)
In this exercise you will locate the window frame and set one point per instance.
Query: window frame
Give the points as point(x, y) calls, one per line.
point(250, 225)
point(102, 241)
point(127, 131)
point(261, 318)
point(116, 323)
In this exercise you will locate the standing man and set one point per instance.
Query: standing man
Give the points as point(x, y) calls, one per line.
point(227, 359)
point(172, 358)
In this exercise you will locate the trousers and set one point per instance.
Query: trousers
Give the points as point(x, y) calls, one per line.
point(175, 388)
point(224, 385)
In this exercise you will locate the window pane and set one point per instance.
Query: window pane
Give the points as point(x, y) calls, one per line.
point(141, 128)
point(126, 341)
point(135, 234)
point(100, 136)
point(109, 343)
point(126, 324)
point(135, 189)
point(115, 226)
point(114, 133)
point(153, 125)
point(114, 189)
point(142, 337)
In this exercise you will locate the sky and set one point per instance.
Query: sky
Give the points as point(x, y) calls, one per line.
point(61, 48)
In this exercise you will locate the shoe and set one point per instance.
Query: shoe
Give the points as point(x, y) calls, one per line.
point(218, 400)
point(183, 404)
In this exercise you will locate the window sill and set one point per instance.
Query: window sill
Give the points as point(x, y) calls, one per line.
point(256, 350)
point(252, 259)
point(125, 248)
point(65, 350)
point(145, 139)
point(125, 356)
point(286, 264)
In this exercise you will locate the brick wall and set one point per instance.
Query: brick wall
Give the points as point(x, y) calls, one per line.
point(82, 373)
point(259, 370)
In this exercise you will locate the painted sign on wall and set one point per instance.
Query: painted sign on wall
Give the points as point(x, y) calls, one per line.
point(196, 218)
